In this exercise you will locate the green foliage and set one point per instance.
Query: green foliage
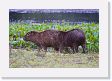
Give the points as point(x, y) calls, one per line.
point(18, 30)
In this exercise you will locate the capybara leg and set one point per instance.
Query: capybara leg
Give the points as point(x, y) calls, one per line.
point(61, 49)
point(39, 48)
point(57, 49)
point(76, 49)
point(73, 49)
point(83, 47)
point(45, 48)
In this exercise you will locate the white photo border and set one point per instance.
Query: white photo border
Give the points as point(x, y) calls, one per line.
point(102, 71)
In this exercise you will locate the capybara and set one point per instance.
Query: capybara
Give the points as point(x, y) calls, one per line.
point(73, 39)
point(58, 39)
point(48, 38)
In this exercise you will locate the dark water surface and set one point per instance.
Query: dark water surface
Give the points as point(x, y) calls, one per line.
point(54, 17)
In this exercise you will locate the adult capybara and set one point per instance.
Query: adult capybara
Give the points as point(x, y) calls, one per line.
point(58, 39)
point(73, 38)
point(48, 38)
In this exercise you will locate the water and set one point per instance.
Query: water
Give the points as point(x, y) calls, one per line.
point(72, 18)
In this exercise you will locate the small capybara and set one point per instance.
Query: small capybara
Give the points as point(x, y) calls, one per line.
point(48, 38)
point(73, 38)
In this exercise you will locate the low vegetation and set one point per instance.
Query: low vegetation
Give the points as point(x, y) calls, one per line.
point(18, 30)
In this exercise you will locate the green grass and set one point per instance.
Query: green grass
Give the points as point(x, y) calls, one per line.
point(20, 58)
point(20, 29)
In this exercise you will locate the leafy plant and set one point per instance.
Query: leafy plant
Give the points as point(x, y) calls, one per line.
point(18, 30)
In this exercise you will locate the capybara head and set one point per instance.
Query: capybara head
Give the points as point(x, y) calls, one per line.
point(30, 35)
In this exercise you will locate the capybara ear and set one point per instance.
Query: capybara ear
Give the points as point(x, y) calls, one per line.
point(33, 32)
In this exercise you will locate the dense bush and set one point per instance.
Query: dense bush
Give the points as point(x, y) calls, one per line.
point(18, 30)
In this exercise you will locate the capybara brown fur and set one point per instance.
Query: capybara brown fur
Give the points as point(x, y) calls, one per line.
point(48, 38)
point(73, 38)
point(58, 39)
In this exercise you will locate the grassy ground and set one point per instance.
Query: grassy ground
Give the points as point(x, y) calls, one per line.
point(19, 58)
